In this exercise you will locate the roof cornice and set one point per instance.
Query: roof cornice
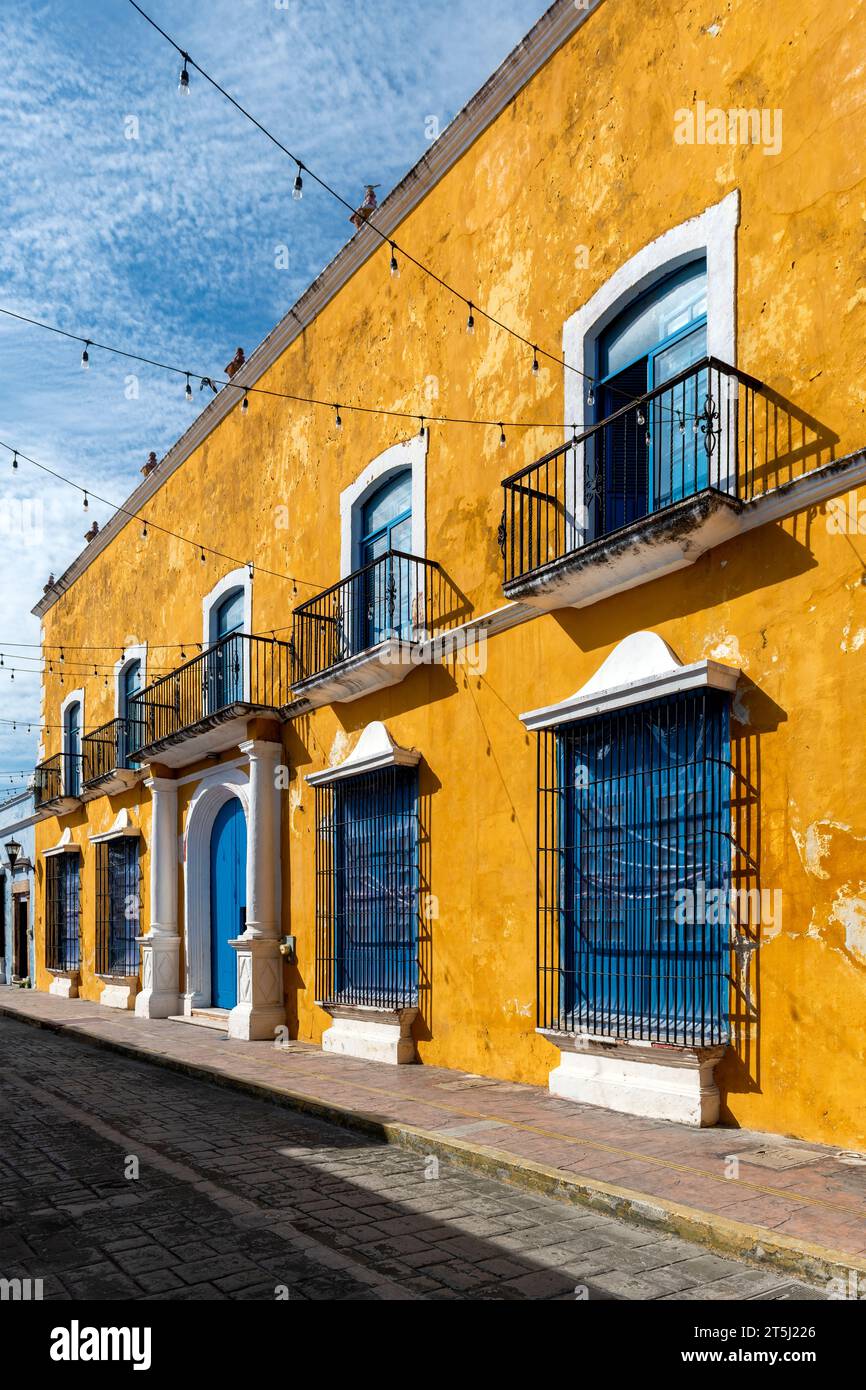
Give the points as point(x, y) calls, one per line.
point(553, 29)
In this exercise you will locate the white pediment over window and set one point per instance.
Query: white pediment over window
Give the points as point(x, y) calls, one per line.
point(122, 829)
point(641, 667)
point(375, 749)
point(65, 845)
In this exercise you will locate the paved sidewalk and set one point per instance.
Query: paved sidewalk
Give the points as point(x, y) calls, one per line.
point(808, 1218)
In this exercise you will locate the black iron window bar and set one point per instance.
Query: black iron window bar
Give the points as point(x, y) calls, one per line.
point(367, 890)
point(396, 596)
point(635, 854)
point(239, 670)
point(712, 426)
point(118, 904)
point(62, 924)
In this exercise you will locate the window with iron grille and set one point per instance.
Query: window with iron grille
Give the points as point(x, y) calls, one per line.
point(635, 853)
point(367, 889)
point(62, 938)
point(117, 906)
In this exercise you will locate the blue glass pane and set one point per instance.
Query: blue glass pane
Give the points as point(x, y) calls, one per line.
point(230, 614)
point(666, 309)
point(391, 501)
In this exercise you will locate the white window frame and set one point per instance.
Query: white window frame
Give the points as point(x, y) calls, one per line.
point(71, 699)
point(409, 453)
point(712, 233)
point(136, 651)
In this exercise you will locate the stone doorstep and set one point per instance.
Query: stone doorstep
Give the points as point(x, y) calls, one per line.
point(756, 1245)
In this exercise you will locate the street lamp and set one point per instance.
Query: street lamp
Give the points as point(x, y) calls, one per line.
point(13, 850)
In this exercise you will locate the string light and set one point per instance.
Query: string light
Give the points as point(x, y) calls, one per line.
point(338, 419)
point(203, 557)
point(298, 185)
point(421, 430)
point(245, 405)
point(188, 390)
point(535, 359)
point(251, 574)
point(183, 80)
point(86, 503)
point(590, 396)
point(501, 436)
point(350, 208)
point(470, 322)
point(395, 269)
point(85, 357)
point(15, 459)
point(144, 531)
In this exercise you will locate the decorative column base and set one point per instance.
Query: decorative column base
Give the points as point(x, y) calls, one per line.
point(378, 1035)
point(261, 1008)
point(160, 960)
point(65, 984)
point(658, 1081)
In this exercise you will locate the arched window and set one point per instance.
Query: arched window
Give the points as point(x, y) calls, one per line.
point(383, 601)
point(72, 748)
point(386, 518)
point(225, 669)
point(650, 457)
point(128, 684)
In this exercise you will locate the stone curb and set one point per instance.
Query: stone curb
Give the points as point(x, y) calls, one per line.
point(758, 1245)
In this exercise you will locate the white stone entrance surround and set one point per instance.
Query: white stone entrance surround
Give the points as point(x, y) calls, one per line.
point(661, 1081)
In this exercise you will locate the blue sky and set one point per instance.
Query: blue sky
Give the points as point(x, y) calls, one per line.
point(166, 243)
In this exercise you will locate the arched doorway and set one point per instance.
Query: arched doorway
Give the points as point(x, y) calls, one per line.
point(228, 871)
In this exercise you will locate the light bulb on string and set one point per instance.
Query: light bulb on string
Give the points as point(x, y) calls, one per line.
point(338, 419)
point(86, 504)
point(251, 570)
point(202, 556)
point(15, 459)
point(501, 436)
point(535, 360)
point(144, 531)
point(85, 357)
point(188, 390)
point(421, 431)
point(245, 405)
point(298, 185)
point(183, 80)
point(470, 322)
point(590, 395)
point(395, 269)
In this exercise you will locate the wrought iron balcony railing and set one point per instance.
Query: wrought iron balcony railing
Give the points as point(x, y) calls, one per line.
point(239, 674)
point(106, 750)
point(58, 777)
point(711, 427)
point(396, 597)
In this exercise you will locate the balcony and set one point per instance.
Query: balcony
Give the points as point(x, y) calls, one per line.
point(364, 633)
point(203, 707)
point(107, 766)
point(652, 487)
point(57, 784)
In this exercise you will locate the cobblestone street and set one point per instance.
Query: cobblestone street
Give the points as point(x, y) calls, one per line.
point(238, 1199)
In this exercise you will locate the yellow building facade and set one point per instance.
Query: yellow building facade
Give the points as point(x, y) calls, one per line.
point(397, 796)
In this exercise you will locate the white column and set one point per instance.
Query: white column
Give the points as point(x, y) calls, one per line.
point(261, 1007)
point(160, 947)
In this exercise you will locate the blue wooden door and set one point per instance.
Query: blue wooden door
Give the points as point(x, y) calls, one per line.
point(130, 685)
point(651, 456)
point(73, 750)
point(228, 898)
point(384, 602)
point(225, 671)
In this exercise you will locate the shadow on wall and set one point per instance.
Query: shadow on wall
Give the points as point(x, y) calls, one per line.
point(752, 901)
